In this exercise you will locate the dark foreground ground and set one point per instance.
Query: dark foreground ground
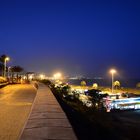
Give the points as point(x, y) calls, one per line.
point(117, 125)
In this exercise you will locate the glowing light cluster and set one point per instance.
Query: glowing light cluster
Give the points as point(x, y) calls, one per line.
point(7, 59)
point(57, 75)
point(128, 103)
point(112, 71)
point(42, 76)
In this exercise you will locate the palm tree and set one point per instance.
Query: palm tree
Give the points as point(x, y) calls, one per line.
point(138, 85)
point(17, 70)
point(2, 58)
point(95, 86)
point(117, 84)
point(83, 83)
point(1, 68)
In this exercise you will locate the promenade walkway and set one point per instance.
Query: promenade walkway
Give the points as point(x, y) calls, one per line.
point(47, 120)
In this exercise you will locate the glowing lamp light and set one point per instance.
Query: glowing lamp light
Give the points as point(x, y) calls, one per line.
point(30, 77)
point(24, 77)
point(57, 75)
point(7, 59)
point(42, 76)
point(112, 71)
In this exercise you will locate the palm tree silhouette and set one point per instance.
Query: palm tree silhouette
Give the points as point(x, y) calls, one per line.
point(2, 59)
point(16, 70)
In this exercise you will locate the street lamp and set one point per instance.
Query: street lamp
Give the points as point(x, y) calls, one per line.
point(9, 72)
point(5, 60)
point(112, 71)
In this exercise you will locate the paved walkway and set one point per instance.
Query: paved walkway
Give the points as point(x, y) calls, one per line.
point(47, 120)
point(15, 106)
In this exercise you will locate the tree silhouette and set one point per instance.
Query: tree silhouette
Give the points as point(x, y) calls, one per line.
point(138, 85)
point(83, 83)
point(17, 70)
point(95, 86)
point(2, 59)
point(116, 84)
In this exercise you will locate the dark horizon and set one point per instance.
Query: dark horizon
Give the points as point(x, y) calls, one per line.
point(74, 37)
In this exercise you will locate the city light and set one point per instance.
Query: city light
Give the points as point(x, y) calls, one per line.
point(42, 76)
point(30, 77)
point(24, 77)
point(57, 76)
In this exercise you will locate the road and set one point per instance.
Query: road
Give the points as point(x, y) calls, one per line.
point(15, 106)
point(126, 124)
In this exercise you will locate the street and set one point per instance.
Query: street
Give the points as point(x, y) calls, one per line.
point(15, 105)
point(126, 123)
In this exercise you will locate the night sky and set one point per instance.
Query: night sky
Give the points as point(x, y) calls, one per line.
point(74, 37)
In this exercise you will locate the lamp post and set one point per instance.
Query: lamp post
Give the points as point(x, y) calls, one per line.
point(5, 60)
point(112, 71)
point(9, 72)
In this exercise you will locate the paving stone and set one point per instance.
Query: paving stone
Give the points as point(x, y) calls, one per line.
point(42, 115)
point(50, 109)
point(53, 133)
point(35, 123)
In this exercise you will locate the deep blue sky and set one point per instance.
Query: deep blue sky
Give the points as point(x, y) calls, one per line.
point(75, 37)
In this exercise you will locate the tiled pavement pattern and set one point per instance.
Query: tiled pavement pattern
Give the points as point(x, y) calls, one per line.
point(47, 120)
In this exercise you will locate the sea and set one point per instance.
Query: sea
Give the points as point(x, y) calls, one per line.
point(127, 83)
